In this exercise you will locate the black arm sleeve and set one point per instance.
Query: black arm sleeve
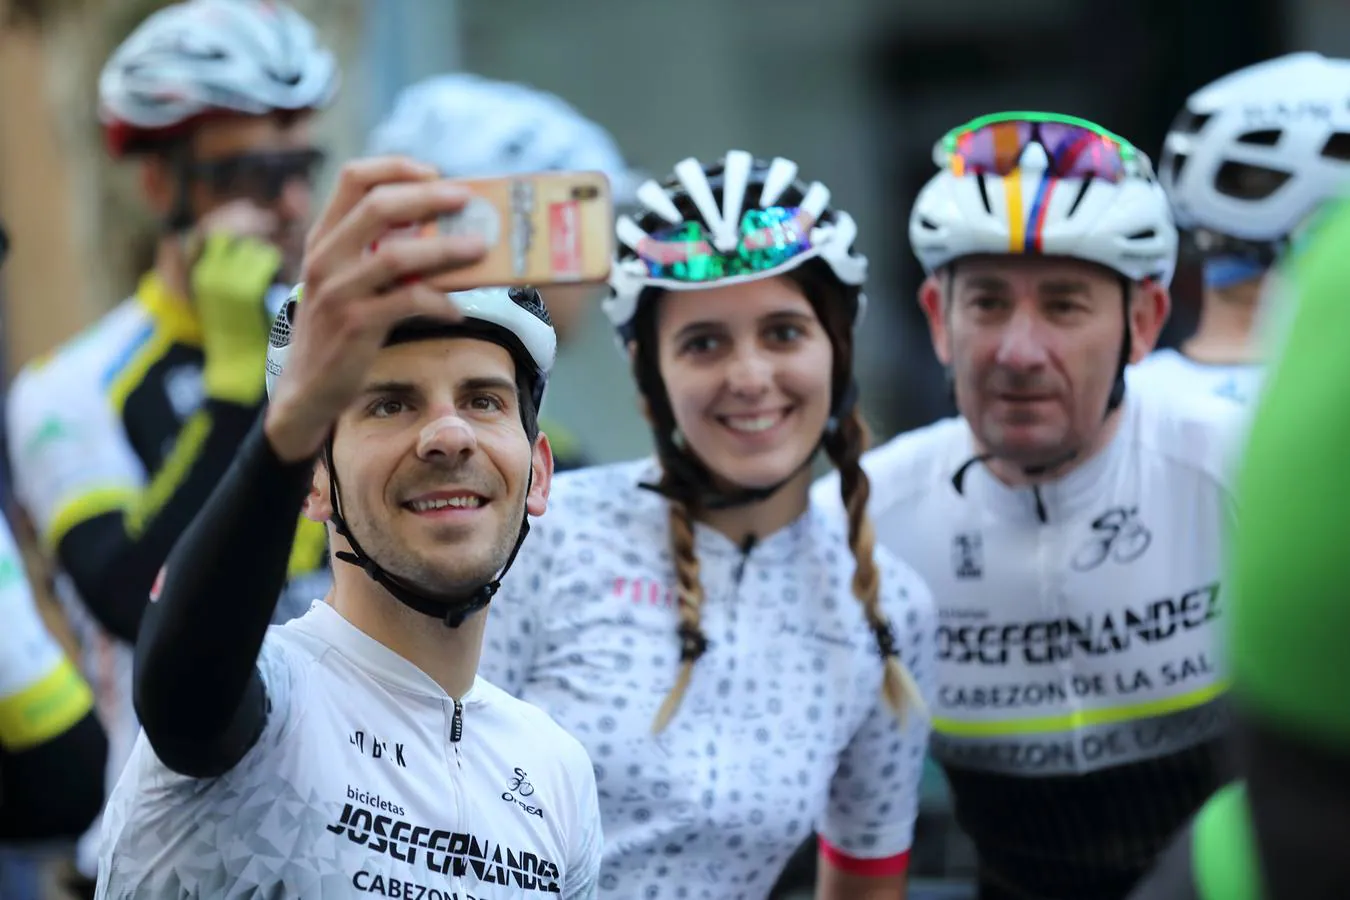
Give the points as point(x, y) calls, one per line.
point(112, 568)
point(53, 790)
point(197, 689)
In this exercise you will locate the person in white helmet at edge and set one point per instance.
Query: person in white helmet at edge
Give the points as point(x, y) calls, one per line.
point(118, 436)
point(735, 661)
point(468, 126)
point(1072, 531)
point(1245, 165)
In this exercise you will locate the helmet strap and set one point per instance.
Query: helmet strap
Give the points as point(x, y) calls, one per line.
point(180, 219)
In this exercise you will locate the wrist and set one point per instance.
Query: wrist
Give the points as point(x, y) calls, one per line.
point(292, 440)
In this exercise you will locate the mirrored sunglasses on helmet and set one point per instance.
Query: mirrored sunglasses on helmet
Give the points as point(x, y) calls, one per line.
point(769, 238)
point(1074, 147)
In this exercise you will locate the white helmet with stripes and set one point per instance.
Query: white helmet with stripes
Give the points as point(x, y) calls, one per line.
point(1125, 226)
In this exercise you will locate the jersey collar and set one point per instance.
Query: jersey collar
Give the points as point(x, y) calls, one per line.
point(789, 542)
point(171, 312)
point(327, 625)
point(1064, 498)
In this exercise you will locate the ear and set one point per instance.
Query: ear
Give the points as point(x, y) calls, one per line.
point(541, 470)
point(319, 501)
point(930, 299)
point(157, 184)
point(1150, 305)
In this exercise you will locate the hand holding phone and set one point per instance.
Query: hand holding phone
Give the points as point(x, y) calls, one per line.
point(544, 228)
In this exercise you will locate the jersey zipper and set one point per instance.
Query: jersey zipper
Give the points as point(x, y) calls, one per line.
point(457, 793)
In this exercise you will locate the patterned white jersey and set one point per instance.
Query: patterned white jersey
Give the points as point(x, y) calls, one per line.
point(1170, 370)
point(782, 728)
point(1079, 663)
point(368, 780)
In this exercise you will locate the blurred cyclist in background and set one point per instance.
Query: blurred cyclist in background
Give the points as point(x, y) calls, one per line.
point(119, 436)
point(1246, 162)
point(52, 747)
point(473, 127)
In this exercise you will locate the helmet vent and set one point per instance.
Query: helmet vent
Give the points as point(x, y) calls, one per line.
point(1248, 182)
point(1082, 192)
point(1267, 137)
point(1337, 147)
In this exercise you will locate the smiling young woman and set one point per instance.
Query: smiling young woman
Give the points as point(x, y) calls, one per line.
point(741, 666)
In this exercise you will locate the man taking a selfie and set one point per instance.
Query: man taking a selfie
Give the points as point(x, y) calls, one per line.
point(354, 748)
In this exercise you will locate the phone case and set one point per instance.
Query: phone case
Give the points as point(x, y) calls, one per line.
point(543, 228)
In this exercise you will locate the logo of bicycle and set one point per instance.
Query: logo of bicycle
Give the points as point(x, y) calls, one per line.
point(1117, 534)
point(520, 785)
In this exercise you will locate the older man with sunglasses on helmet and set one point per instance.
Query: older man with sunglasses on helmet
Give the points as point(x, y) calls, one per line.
point(1072, 533)
point(118, 438)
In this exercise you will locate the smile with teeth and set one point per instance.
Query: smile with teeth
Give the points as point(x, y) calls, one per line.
point(462, 502)
point(756, 423)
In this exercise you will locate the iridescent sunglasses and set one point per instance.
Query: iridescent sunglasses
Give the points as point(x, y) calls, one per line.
point(768, 238)
point(1074, 147)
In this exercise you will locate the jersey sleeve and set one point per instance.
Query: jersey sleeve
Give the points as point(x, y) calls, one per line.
point(41, 693)
point(70, 459)
point(513, 626)
point(868, 823)
point(583, 867)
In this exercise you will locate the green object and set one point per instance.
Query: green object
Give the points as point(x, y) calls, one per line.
point(1290, 568)
point(229, 282)
point(1224, 850)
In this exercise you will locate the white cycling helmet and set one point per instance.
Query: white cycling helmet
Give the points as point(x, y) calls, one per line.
point(700, 228)
point(471, 127)
point(1253, 153)
point(514, 317)
point(1125, 225)
point(203, 56)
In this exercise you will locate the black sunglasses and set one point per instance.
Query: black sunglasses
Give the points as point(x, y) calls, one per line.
point(260, 176)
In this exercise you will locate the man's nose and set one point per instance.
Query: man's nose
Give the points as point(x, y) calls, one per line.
point(447, 435)
point(1023, 343)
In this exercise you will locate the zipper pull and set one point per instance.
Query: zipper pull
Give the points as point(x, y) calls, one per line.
point(457, 723)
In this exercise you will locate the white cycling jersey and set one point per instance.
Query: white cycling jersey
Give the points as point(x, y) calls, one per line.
point(1171, 370)
point(368, 780)
point(782, 727)
point(1079, 659)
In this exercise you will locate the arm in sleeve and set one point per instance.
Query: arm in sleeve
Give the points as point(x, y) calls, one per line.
point(868, 823)
point(510, 642)
point(198, 692)
point(110, 524)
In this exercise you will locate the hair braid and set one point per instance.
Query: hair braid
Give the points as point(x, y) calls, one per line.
point(845, 445)
point(690, 595)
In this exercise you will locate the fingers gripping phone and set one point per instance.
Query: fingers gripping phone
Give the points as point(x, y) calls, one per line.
point(540, 229)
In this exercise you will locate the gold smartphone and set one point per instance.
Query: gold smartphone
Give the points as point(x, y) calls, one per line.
point(544, 228)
